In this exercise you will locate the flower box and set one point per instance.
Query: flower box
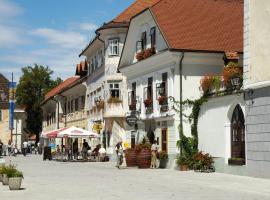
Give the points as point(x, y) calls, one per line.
point(148, 102)
point(162, 100)
point(140, 55)
point(114, 100)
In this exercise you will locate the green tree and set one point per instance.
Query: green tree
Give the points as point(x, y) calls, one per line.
point(35, 82)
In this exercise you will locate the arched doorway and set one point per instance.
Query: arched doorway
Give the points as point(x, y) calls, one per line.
point(238, 134)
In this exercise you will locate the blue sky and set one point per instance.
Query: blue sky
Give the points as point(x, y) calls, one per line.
point(50, 32)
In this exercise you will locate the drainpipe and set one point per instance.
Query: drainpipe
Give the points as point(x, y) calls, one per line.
point(181, 93)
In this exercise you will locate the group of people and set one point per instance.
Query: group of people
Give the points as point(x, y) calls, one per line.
point(8, 149)
point(72, 152)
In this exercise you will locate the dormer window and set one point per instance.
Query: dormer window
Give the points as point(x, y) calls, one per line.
point(143, 40)
point(153, 37)
point(113, 47)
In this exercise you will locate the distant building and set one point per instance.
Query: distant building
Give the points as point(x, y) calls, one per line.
point(18, 134)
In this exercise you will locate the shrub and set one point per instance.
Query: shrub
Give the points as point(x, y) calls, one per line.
point(207, 83)
point(202, 161)
point(163, 155)
point(229, 73)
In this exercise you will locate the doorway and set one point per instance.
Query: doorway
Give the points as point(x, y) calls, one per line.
point(238, 134)
point(164, 140)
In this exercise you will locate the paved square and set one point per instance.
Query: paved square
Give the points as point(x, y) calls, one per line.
point(49, 180)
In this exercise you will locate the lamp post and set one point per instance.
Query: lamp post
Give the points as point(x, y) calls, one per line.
point(235, 81)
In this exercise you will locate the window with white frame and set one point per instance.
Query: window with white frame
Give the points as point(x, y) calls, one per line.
point(100, 58)
point(92, 65)
point(114, 47)
point(114, 90)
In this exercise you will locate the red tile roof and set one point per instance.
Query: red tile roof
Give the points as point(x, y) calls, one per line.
point(133, 9)
point(60, 87)
point(206, 25)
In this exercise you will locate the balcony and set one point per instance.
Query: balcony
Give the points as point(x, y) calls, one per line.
point(163, 103)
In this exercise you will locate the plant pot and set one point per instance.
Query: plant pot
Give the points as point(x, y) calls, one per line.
point(144, 158)
point(131, 158)
point(163, 163)
point(15, 183)
point(5, 179)
point(1, 177)
point(183, 167)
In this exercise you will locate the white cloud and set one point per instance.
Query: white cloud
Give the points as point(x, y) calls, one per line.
point(11, 36)
point(88, 26)
point(65, 39)
point(9, 9)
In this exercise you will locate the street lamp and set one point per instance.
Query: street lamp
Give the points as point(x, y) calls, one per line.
point(236, 81)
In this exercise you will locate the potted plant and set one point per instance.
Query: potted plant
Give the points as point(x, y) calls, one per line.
point(15, 179)
point(140, 55)
point(162, 100)
point(1, 172)
point(163, 159)
point(232, 70)
point(183, 161)
point(207, 84)
point(143, 154)
point(149, 52)
point(203, 162)
point(147, 102)
point(131, 158)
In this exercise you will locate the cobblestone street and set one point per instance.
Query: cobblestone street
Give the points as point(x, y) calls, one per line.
point(54, 180)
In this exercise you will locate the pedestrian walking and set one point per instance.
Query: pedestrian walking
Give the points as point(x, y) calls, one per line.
point(9, 148)
point(1, 148)
point(24, 148)
point(75, 150)
point(154, 151)
point(85, 149)
point(119, 153)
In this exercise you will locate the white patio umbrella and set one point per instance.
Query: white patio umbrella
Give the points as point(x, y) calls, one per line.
point(74, 132)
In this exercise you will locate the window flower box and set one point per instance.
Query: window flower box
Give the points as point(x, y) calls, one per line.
point(140, 55)
point(148, 102)
point(231, 71)
point(162, 100)
point(149, 52)
point(114, 100)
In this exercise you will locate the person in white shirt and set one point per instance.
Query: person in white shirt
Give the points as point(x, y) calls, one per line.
point(25, 145)
point(119, 153)
point(154, 150)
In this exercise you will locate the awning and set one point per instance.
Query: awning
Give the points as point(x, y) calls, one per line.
point(74, 132)
point(53, 133)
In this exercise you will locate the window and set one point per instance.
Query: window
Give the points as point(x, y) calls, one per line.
point(82, 101)
point(68, 107)
point(71, 106)
point(113, 47)
point(149, 88)
point(165, 83)
point(114, 90)
point(132, 97)
point(92, 65)
point(143, 40)
point(65, 108)
point(153, 37)
point(76, 104)
point(100, 58)
point(96, 62)
point(0, 115)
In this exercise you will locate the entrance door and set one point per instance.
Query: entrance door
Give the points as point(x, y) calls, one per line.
point(164, 142)
point(238, 133)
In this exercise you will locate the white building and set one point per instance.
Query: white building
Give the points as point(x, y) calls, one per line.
point(180, 47)
point(106, 88)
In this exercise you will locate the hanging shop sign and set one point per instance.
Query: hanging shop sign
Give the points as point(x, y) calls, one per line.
point(131, 119)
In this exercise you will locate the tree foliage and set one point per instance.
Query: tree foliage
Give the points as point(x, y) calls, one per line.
point(35, 82)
